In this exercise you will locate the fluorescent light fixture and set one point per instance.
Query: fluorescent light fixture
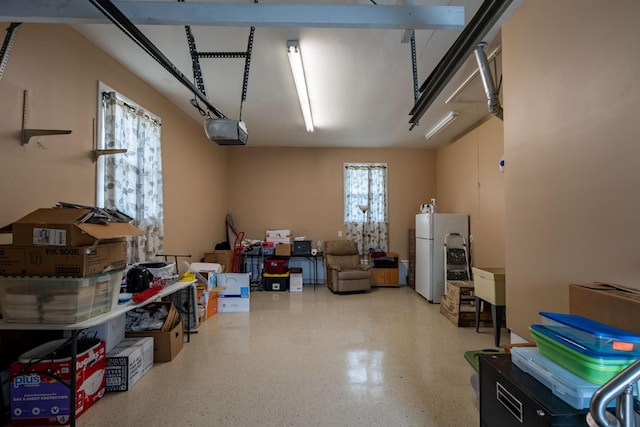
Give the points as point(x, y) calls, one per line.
point(446, 121)
point(295, 60)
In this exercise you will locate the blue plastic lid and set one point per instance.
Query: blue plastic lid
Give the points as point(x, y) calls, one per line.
point(593, 335)
point(615, 357)
point(591, 326)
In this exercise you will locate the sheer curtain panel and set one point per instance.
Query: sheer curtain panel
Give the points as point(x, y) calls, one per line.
point(365, 205)
point(133, 181)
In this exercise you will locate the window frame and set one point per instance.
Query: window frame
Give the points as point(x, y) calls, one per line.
point(361, 218)
point(100, 143)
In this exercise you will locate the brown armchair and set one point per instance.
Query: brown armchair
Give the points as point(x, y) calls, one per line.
point(344, 272)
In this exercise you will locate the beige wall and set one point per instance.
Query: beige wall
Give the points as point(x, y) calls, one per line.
point(60, 69)
point(570, 145)
point(571, 93)
point(302, 189)
point(469, 181)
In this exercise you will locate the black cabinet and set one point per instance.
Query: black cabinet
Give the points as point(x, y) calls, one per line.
point(511, 397)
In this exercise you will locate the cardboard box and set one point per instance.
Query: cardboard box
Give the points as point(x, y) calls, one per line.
point(295, 282)
point(12, 260)
point(128, 362)
point(64, 227)
point(283, 249)
point(69, 261)
point(76, 261)
point(169, 322)
point(228, 304)
point(167, 342)
point(212, 304)
point(166, 345)
point(37, 398)
point(210, 277)
point(456, 305)
point(222, 257)
point(208, 299)
point(233, 292)
point(279, 236)
point(613, 305)
point(464, 315)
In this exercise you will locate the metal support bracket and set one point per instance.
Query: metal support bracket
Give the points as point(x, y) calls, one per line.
point(7, 45)
point(27, 134)
point(95, 154)
point(197, 70)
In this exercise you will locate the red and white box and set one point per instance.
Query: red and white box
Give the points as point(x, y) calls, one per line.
point(38, 398)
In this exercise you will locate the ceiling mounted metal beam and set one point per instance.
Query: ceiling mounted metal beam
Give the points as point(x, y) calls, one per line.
point(482, 22)
point(116, 16)
point(239, 14)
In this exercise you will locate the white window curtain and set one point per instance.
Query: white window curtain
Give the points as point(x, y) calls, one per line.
point(365, 205)
point(133, 181)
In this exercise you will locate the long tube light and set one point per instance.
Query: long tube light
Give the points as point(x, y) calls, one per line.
point(295, 60)
point(446, 121)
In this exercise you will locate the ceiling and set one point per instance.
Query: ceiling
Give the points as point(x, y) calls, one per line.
point(360, 80)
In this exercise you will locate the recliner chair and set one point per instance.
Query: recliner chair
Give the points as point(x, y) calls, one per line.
point(344, 272)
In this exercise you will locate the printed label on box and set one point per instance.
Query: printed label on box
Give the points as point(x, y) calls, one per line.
point(49, 236)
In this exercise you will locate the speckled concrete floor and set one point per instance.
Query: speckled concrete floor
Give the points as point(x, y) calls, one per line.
point(384, 358)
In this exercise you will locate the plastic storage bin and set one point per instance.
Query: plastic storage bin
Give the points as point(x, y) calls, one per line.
point(592, 335)
point(276, 266)
point(275, 282)
point(61, 300)
point(268, 251)
point(571, 388)
point(471, 357)
point(590, 365)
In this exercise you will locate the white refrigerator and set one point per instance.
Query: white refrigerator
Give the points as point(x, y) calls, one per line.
point(431, 229)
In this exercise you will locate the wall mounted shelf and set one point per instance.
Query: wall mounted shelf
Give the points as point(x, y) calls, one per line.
point(95, 154)
point(27, 134)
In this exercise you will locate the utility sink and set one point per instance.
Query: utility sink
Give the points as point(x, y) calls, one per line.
point(489, 285)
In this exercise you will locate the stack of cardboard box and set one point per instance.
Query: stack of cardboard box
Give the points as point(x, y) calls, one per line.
point(58, 245)
point(55, 242)
point(58, 257)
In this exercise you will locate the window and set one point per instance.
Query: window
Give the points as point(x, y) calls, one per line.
point(365, 205)
point(131, 182)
